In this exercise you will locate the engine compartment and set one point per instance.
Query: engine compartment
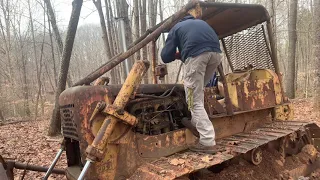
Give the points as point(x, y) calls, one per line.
point(158, 114)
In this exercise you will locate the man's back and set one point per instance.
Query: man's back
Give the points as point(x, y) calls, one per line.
point(193, 37)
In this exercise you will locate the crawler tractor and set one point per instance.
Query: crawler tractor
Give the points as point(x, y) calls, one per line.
point(134, 131)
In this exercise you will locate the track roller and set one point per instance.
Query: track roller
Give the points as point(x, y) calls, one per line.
point(254, 156)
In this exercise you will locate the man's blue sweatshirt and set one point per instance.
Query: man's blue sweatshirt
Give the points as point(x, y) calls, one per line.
point(192, 37)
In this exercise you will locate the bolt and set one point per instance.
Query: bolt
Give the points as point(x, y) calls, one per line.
point(101, 105)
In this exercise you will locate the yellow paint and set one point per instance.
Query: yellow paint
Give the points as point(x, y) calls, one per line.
point(277, 87)
point(261, 77)
point(233, 94)
point(284, 112)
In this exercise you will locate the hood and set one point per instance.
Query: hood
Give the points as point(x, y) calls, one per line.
point(186, 18)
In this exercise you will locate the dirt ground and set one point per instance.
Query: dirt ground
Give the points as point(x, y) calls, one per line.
point(27, 142)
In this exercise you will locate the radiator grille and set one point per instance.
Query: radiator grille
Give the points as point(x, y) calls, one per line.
point(249, 48)
point(69, 126)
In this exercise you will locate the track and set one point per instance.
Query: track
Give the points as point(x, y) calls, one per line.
point(187, 162)
point(304, 164)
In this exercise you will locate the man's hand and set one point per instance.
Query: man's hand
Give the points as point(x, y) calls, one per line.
point(177, 55)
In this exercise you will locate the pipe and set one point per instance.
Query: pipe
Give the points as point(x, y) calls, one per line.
point(227, 54)
point(53, 164)
point(124, 47)
point(177, 77)
point(229, 107)
point(18, 165)
point(85, 169)
point(274, 56)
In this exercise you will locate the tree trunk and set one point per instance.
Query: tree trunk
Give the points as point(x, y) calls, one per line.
point(34, 54)
point(143, 18)
point(292, 27)
point(1, 116)
point(317, 51)
point(105, 38)
point(52, 53)
point(122, 7)
point(56, 33)
point(273, 17)
point(39, 68)
point(152, 22)
point(114, 73)
point(24, 73)
point(161, 19)
point(7, 37)
point(137, 55)
point(55, 123)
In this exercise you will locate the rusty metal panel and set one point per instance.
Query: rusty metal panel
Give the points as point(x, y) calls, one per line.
point(178, 165)
point(161, 145)
point(211, 104)
point(256, 94)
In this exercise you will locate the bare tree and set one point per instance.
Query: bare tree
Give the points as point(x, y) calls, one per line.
point(143, 22)
point(5, 30)
point(105, 38)
point(52, 19)
point(52, 52)
point(113, 45)
point(38, 62)
point(317, 49)
point(292, 31)
point(136, 26)
point(55, 122)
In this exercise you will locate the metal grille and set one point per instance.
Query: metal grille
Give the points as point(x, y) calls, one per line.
point(69, 127)
point(249, 48)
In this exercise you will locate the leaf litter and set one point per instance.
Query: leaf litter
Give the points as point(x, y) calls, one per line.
point(26, 142)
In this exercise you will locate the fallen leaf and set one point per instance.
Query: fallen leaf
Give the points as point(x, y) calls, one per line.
point(177, 161)
point(207, 159)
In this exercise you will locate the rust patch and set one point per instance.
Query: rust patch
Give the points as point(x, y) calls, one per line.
point(161, 145)
point(256, 94)
point(211, 104)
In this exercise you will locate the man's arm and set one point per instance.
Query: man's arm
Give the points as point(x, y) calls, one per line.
point(169, 50)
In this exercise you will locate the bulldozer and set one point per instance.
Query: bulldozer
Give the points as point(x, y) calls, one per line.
point(134, 130)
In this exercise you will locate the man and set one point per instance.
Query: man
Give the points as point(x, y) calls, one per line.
point(199, 49)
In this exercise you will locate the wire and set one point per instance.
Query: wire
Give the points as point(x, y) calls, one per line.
point(162, 96)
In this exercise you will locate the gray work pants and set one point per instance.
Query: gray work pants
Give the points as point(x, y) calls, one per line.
point(198, 72)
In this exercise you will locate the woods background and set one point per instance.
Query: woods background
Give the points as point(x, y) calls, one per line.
point(32, 34)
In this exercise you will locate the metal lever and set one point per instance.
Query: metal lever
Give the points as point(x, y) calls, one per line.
point(53, 164)
point(85, 169)
point(96, 150)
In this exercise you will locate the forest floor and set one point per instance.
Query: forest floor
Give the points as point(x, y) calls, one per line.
point(27, 142)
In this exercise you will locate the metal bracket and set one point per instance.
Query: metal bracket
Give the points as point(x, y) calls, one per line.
point(120, 114)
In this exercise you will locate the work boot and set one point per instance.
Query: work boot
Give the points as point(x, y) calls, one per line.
point(198, 147)
point(187, 123)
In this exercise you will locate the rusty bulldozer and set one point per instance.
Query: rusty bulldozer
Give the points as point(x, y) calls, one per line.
point(134, 131)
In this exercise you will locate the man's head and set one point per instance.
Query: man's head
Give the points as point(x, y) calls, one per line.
point(196, 12)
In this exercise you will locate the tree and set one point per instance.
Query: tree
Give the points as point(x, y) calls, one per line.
point(136, 26)
point(52, 19)
point(105, 38)
point(143, 22)
point(292, 31)
point(317, 49)
point(55, 123)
